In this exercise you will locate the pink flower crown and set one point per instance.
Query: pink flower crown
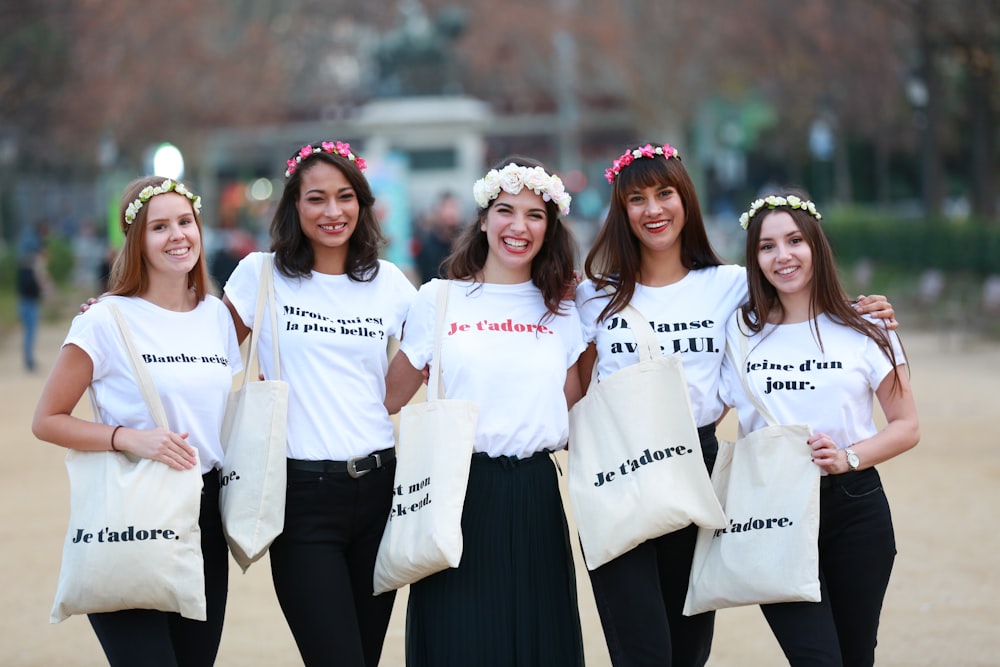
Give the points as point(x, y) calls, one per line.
point(630, 156)
point(335, 147)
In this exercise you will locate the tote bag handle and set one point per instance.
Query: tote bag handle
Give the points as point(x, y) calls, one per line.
point(265, 296)
point(141, 370)
point(435, 384)
point(647, 346)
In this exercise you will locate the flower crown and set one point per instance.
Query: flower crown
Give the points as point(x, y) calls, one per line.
point(513, 178)
point(774, 201)
point(151, 191)
point(631, 155)
point(335, 147)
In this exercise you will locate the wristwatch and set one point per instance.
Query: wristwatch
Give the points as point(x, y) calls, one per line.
point(852, 459)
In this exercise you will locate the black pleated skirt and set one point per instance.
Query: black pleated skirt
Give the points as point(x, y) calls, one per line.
point(512, 601)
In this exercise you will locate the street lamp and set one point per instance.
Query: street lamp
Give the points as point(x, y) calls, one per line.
point(168, 161)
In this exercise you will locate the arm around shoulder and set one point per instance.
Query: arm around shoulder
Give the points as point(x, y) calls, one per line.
point(401, 382)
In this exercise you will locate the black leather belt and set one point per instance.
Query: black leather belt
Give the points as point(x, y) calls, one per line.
point(357, 466)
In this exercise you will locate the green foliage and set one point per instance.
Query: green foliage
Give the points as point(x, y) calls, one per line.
point(60, 263)
point(953, 246)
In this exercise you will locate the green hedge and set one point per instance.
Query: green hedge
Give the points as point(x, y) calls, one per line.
point(966, 246)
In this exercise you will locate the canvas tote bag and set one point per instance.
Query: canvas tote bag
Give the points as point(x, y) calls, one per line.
point(423, 533)
point(254, 472)
point(768, 552)
point(133, 540)
point(636, 469)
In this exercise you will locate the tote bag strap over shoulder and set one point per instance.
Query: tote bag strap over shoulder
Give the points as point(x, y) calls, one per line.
point(142, 376)
point(648, 347)
point(265, 297)
point(435, 384)
point(738, 358)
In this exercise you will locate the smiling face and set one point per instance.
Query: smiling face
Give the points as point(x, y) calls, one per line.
point(515, 231)
point(784, 256)
point(656, 217)
point(172, 241)
point(328, 214)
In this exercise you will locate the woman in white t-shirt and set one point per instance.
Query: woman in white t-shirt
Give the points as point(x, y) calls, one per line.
point(337, 305)
point(159, 283)
point(653, 252)
point(813, 360)
point(510, 344)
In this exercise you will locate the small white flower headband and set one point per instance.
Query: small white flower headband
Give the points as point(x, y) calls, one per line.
point(336, 147)
point(774, 201)
point(151, 191)
point(513, 178)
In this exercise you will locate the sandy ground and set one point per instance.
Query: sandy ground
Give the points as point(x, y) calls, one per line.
point(942, 608)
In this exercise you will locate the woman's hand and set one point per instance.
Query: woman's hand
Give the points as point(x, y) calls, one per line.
point(826, 455)
point(158, 444)
point(877, 306)
point(85, 306)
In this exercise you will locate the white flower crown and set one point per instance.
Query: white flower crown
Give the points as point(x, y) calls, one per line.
point(774, 201)
point(151, 191)
point(513, 178)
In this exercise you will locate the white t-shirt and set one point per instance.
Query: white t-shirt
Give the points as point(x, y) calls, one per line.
point(333, 334)
point(799, 383)
point(191, 356)
point(688, 316)
point(496, 351)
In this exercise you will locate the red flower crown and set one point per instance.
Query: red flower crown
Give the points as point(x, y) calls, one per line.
point(335, 147)
point(630, 156)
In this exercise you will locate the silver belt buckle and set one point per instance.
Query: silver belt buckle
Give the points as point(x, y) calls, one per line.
point(352, 464)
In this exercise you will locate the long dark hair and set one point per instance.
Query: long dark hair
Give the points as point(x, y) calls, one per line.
point(293, 253)
point(552, 267)
point(615, 255)
point(826, 294)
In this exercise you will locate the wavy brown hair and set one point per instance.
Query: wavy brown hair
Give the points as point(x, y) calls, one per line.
point(293, 253)
point(129, 273)
point(826, 294)
point(615, 255)
point(551, 269)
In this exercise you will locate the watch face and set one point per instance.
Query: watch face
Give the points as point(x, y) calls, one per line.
point(853, 460)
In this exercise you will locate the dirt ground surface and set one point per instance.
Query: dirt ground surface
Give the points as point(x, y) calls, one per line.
point(942, 607)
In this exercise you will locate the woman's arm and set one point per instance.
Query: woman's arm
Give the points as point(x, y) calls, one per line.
point(585, 367)
point(242, 330)
point(902, 430)
point(54, 422)
point(572, 387)
point(401, 382)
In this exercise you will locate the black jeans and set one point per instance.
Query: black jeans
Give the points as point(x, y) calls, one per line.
point(641, 593)
point(158, 638)
point(857, 548)
point(323, 562)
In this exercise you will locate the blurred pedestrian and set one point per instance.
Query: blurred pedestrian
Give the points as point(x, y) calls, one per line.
point(437, 236)
point(32, 285)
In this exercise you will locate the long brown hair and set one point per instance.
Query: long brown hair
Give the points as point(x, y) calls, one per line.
point(826, 294)
point(552, 267)
point(615, 255)
point(129, 273)
point(293, 253)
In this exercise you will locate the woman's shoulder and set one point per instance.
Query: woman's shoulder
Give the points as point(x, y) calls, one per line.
point(587, 290)
point(727, 273)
